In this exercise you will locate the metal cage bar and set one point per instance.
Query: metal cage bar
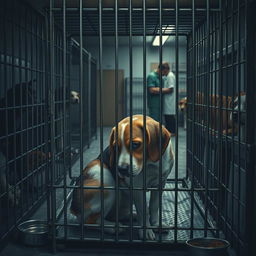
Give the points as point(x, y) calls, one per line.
point(39, 51)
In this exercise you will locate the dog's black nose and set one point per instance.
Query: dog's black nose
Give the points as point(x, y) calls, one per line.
point(124, 169)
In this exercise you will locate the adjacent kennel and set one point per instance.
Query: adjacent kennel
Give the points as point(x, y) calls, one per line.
point(44, 136)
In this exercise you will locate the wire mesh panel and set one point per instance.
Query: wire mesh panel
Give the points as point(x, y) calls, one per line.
point(211, 200)
point(23, 100)
point(135, 183)
point(93, 97)
point(217, 149)
point(89, 93)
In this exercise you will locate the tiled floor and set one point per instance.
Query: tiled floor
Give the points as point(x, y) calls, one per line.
point(183, 211)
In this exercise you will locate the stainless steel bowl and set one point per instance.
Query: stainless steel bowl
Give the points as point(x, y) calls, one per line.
point(33, 232)
point(207, 246)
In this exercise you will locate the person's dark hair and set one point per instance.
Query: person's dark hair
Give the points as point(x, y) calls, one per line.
point(164, 66)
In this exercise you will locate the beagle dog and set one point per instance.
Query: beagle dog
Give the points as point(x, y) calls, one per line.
point(74, 98)
point(183, 104)
point(183, 107)
point(90, 203)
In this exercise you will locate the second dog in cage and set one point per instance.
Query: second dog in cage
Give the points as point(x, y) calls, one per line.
point(183, 107)
point(59, 128)
point(90, 203)
point(217, 116)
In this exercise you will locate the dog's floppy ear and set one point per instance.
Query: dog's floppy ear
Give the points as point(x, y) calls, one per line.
point(112, 147)
point(154, 136)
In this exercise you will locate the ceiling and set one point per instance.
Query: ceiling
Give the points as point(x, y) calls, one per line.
point(124, 3)
point(91, 24)
point(123, 40)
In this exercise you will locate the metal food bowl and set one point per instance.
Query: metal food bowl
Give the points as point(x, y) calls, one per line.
point(207, 246)
point(33, 232)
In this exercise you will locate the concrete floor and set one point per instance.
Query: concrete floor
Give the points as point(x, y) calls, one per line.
point(16, 248)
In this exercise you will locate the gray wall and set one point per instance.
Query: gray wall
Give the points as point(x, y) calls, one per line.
point(152, 53)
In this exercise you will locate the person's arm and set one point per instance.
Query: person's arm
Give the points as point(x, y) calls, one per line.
point(156, 90)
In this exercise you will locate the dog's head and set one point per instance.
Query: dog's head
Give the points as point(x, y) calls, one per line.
point(183, 104)
point(239, 106)
point(74, 97)
point(134, 146)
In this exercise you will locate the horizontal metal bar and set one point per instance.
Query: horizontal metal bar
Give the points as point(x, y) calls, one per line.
point(137, 9)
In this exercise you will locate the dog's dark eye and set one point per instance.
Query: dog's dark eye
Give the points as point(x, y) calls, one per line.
point(135, 145)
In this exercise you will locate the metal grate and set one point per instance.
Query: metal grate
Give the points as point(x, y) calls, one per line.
point(90, 21)
point(42, 58)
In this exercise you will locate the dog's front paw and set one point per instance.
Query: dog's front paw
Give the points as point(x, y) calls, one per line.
point(113, 231)
point(149, 234)
point(164, 227)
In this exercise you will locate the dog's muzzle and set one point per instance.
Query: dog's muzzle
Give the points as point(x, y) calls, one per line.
point(124, 171)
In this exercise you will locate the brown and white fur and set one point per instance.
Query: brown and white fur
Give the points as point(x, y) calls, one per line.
point(183, 107)
point(92, 176)
point(216, 116)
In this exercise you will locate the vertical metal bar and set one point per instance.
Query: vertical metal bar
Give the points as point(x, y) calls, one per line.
point(215, 83)
point(101, 118)
point(36, 106)
point(239, 16)
point(69, 86)
point(40, 113)
point(177, 132)
point(160, 188)
point(232, 169)
point(249, 79)
point(225, 139)
point(21, 113)
point(220, 91)
point(206, 168)
point(131, 114)
point(193, 71)
point(64, 108)
point(26, 109)
point(81, 112)
point(116, 121)
point(47, 116)
point(52, 84)
point(31, 107)
point(89, 99)
point(12, 80)
point(6, 112)
point(144, 112)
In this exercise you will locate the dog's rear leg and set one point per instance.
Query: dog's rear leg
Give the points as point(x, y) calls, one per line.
point(109, 200)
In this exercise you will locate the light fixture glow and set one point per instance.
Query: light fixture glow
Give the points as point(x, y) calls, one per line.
point(165, 29)
point(156, 41)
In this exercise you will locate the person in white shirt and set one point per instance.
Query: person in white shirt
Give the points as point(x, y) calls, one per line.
point(169, 103)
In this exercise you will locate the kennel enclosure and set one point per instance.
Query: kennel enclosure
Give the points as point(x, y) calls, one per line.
point(43, 57)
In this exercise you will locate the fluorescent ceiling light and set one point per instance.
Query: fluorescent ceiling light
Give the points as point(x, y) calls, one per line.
point(165, 29)
point(156, 41)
